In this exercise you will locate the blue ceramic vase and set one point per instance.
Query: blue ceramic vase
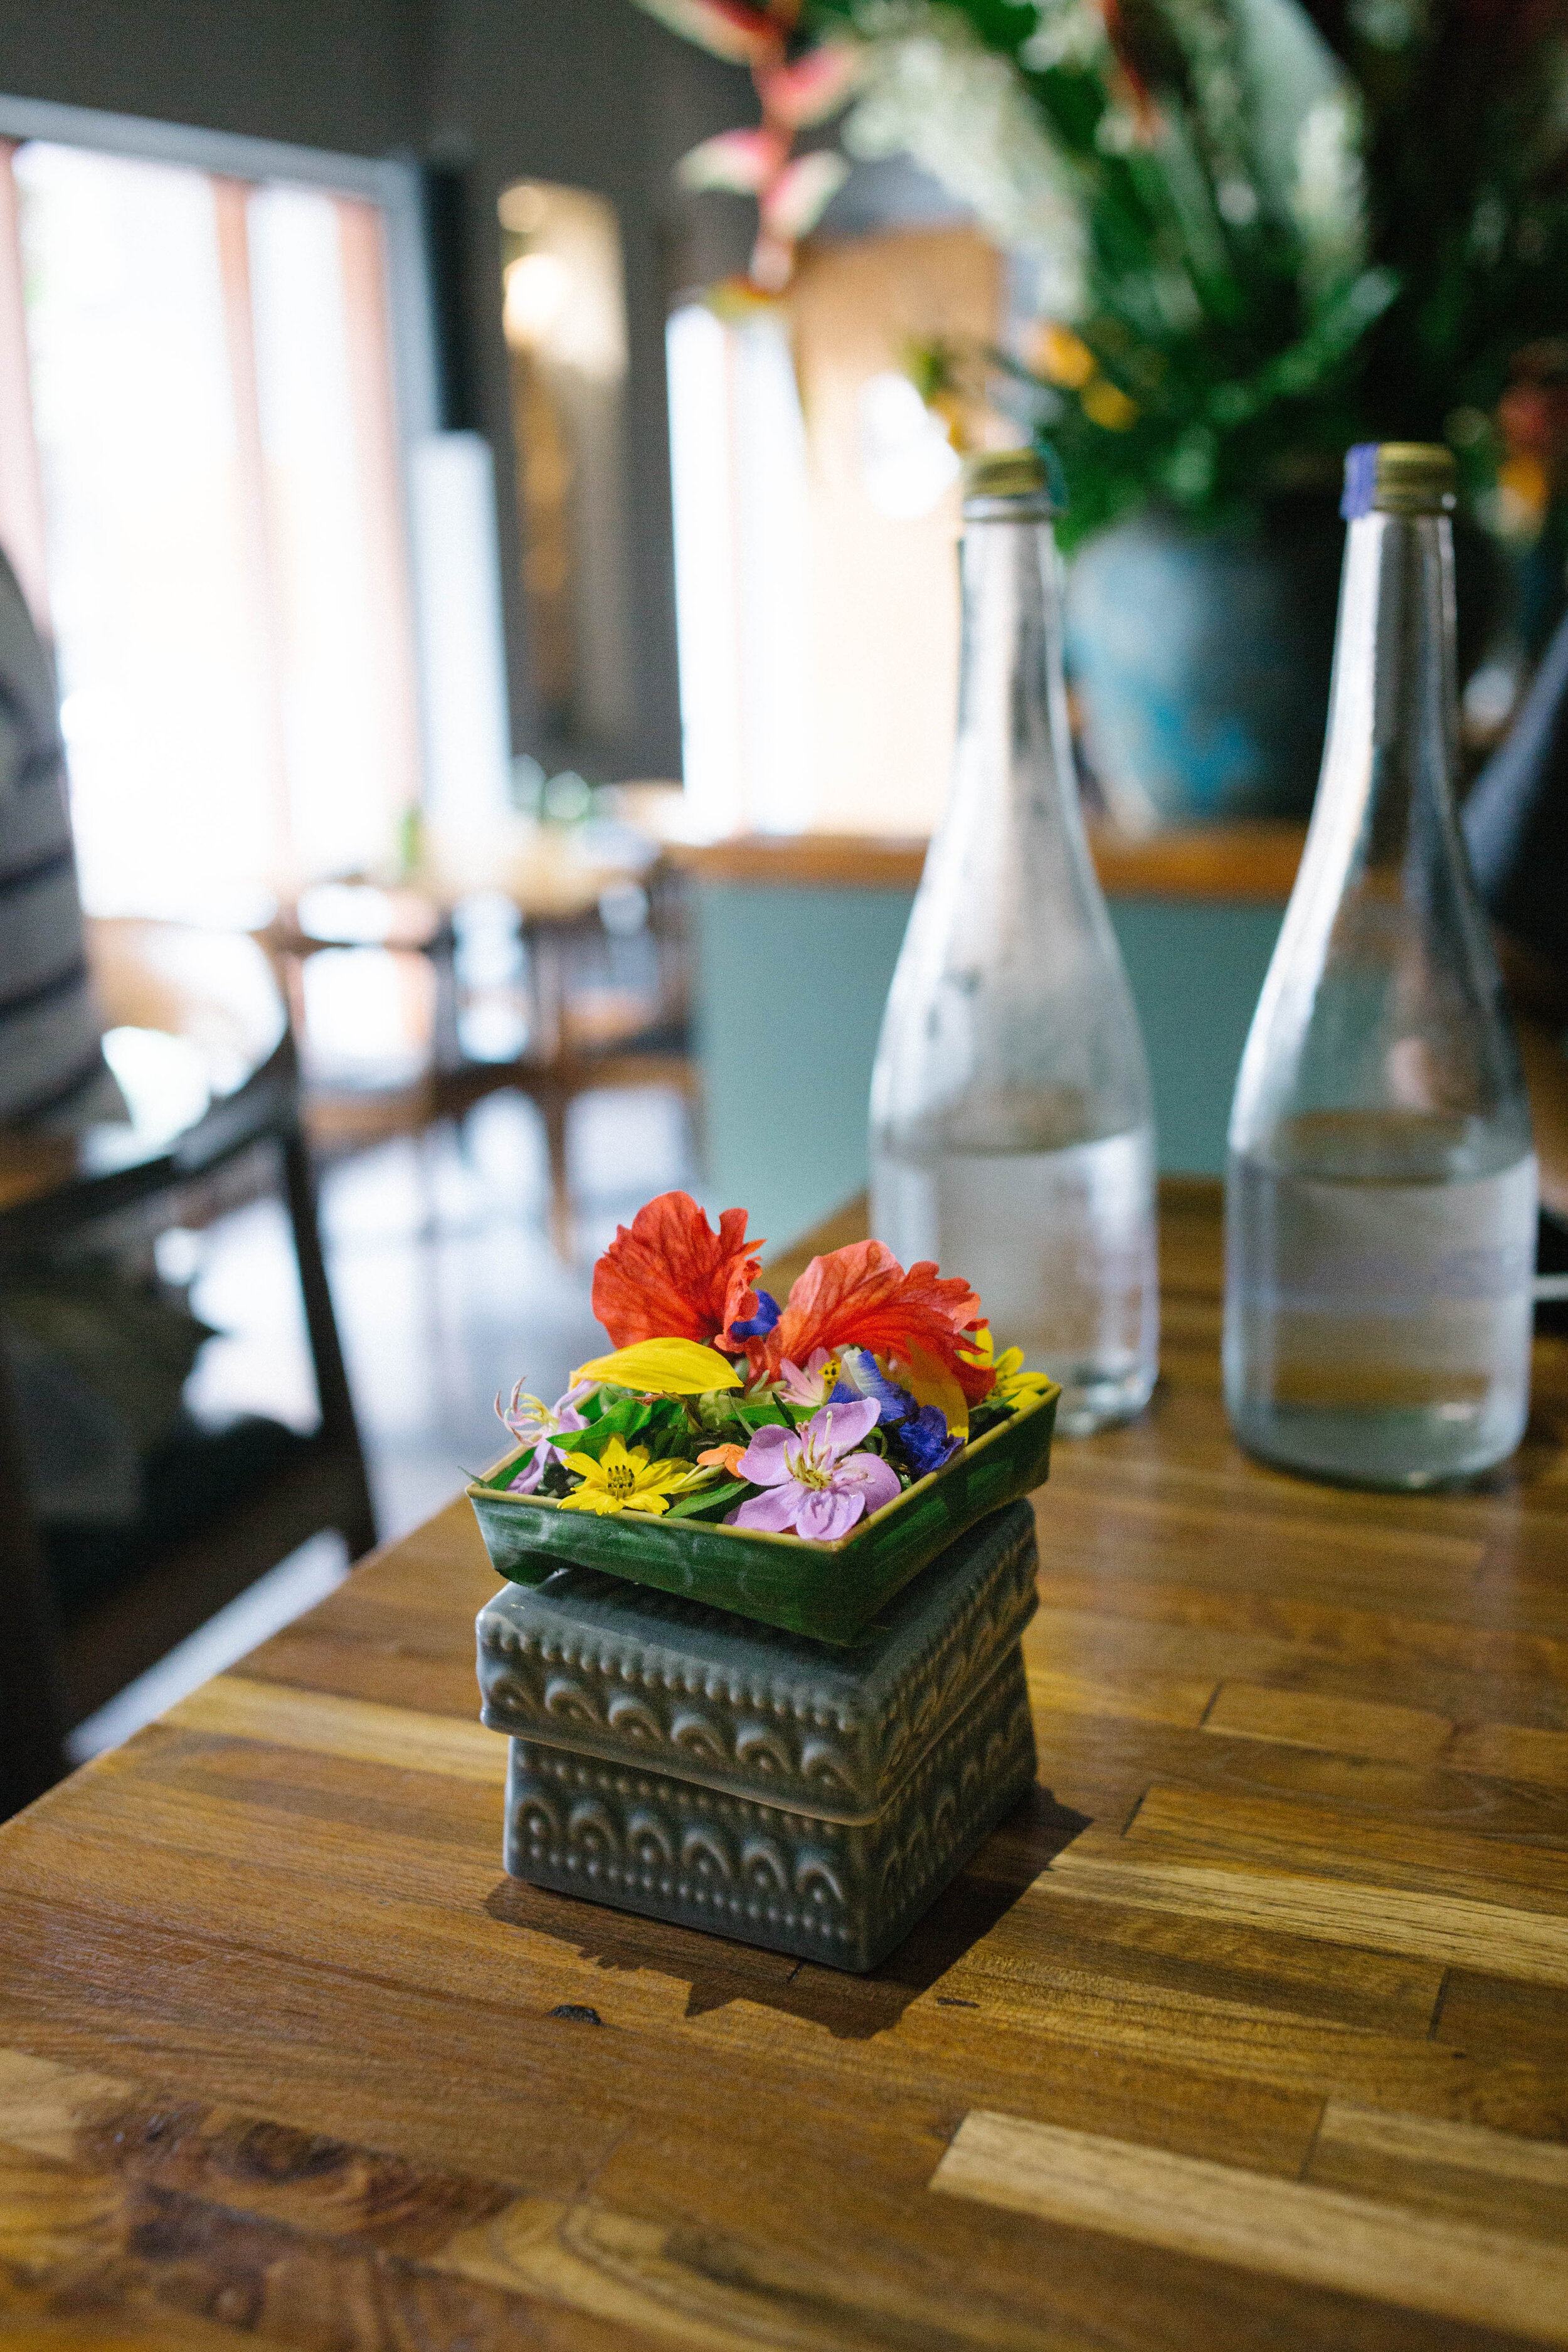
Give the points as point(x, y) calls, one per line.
point(1201, 663)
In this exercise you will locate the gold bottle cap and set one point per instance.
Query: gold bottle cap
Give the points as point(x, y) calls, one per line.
point(1007, 474)
point(1406, 478)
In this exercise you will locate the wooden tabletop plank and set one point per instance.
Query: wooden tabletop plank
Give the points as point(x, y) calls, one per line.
point(1251, 2027)
point(1296, 2230)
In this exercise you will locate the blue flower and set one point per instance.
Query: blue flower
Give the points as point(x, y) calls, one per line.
point(861, 1376)
point(927, 1440)
point(757, 1326)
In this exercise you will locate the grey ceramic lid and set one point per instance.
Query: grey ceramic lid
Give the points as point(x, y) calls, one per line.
point(615, 1670)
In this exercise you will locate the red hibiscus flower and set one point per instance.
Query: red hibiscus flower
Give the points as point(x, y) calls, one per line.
point(669, 1276)
point(862, 1297)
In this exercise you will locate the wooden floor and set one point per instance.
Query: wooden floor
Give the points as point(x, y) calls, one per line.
point(1252, 2033)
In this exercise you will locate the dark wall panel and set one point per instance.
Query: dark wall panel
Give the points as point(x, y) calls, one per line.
point(342, 74)
point(594, 94)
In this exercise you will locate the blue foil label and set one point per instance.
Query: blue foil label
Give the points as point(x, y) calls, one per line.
point(1361, 480)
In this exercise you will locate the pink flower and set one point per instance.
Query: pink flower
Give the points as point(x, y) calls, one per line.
point(812, 87)
point(744, 162)
point(816, 1384)
point(795, 198)
point(529, 1417)
point(811, 1487)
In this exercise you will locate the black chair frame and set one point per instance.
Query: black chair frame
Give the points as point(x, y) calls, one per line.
point(51, 1673)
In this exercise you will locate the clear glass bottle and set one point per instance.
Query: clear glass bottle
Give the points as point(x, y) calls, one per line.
point(1381, 1195)
point(1011, 1133)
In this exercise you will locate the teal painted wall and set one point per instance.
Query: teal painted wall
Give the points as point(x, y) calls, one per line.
point(1197, 969)
point(790, 985)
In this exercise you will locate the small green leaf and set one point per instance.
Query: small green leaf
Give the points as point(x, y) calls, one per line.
point(626, 1419)
point(712, 1502)
point(764, 1412)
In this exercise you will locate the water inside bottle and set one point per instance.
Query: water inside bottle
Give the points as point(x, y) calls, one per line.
point(1060, 1244)
point(1377, 1331)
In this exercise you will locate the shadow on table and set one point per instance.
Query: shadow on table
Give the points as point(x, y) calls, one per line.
point(852, 2008)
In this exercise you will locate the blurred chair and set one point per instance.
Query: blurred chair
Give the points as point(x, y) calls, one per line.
point(85, 1607)
point(361, 967)
point(606, 1005)
point(590, 989)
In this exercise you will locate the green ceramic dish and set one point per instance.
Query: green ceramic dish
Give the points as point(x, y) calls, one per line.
point(831, 1592)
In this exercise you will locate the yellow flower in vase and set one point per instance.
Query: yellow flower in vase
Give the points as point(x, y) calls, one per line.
point(620, 1481)
point(1014, 1387)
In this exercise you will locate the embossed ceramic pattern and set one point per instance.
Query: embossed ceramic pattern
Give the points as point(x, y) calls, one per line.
point(641, 1677)
point(672, 1760)
point(830, 1591)
point(843, 1892)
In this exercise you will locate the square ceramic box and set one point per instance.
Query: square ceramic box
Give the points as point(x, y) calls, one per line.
point(675, 1759)
point(831, 1592)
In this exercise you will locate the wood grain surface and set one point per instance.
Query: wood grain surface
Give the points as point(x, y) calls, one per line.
point(1253, 2032)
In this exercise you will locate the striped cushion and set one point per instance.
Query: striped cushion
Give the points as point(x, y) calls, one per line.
point(51, 1063)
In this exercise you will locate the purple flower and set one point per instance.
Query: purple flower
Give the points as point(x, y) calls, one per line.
point(529, 1417)
point(927, 1440)
point(813, 1483)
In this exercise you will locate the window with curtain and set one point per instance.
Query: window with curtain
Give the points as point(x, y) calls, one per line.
point(816, 508)
point(200, 489)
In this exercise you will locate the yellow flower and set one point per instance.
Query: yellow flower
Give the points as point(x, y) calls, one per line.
point(620, 1481)
point(1106, 404)
point(1062, 357)
point(1014, 1386)
point(929, 1382)
point(1524, 493)
point(663, 1368)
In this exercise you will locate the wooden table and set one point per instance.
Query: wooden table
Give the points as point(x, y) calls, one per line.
point(1253, 2033)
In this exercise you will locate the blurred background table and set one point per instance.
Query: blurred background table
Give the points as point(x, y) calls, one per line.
point(551, 960)
point(1254, 2030)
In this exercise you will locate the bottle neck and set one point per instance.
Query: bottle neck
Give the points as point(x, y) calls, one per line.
point(1015, 744)
point(1390, 761)
point(1010, 1027)
point(1379, 1040)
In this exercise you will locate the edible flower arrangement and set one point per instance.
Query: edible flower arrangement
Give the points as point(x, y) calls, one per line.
point(715, 1403)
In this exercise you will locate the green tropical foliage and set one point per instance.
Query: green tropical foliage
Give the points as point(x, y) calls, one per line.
point(1263, 228)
